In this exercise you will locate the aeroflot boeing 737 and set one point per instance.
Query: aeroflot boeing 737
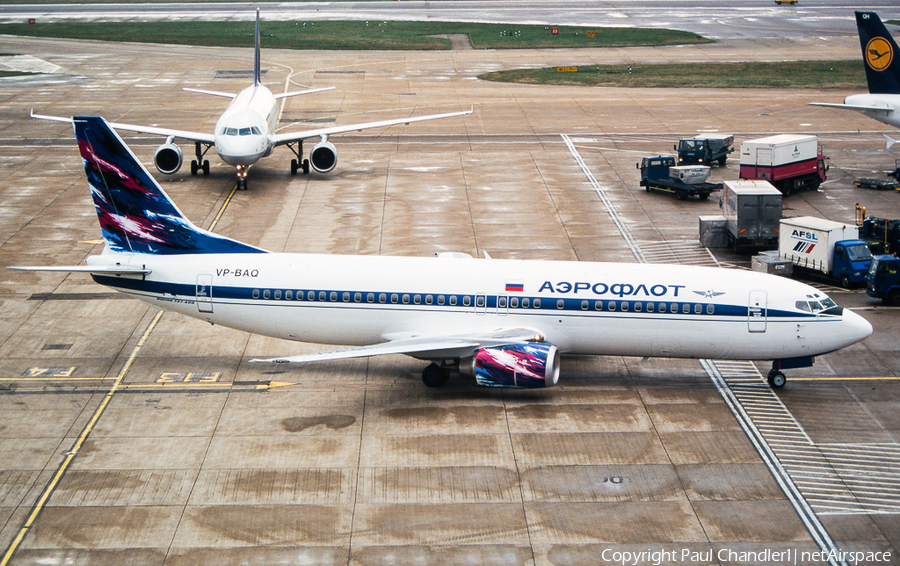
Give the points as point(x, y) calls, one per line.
point(245, 132)
point(505, 322)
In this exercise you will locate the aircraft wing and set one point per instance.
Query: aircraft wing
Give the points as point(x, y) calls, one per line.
point(860, 107)
point(281, 139)
point(428, 347)
point(167, 132)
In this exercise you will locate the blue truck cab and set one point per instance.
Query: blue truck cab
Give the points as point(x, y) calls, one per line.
point(851, 262)
point(883, 279)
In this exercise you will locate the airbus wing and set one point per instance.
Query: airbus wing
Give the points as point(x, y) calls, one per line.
point(167, 132)
point(291, 137)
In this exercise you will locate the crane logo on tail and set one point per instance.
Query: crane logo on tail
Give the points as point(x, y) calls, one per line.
point(879, 54)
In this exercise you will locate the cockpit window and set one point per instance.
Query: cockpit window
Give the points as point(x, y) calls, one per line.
point(803, 306)
point(245, 131)
point(231, 131)
point(256, 131)
point(815, 307)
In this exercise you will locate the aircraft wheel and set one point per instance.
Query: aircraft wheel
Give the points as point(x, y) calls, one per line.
point(434, 375)
point(305, 166)
point(242, 184)
point(294, 166)
point(776, 379)
point(205, 167)
point(845, 281)
point(194, 167)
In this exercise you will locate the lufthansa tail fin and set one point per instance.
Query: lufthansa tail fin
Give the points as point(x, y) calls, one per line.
point(256, 71)
point(880, 54)
point(136, 215)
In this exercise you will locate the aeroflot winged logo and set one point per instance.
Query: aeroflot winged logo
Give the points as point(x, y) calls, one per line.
point(879, 53)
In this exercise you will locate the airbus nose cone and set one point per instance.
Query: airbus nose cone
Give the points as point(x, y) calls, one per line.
point(855, 327)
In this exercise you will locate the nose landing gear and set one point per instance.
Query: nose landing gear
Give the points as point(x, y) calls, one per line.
point(242, 177)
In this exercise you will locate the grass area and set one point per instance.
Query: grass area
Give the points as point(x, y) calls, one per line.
point(800, 74)
point(374, 35)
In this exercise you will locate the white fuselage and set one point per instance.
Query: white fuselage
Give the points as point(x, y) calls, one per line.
point(242, 135)
point(891, 102)
point(581, 308)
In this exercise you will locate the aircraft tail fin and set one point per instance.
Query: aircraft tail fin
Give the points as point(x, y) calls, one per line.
point(880, 54)
point(889, 141)
point(135, 214)
point(256, 71)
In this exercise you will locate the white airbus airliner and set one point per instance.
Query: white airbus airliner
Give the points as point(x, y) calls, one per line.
point(882, 61)
point(503, 321)
point(245, 133)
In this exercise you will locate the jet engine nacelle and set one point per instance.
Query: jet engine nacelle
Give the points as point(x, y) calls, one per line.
point(323, 157)
point(167, 158)
point(520, 366)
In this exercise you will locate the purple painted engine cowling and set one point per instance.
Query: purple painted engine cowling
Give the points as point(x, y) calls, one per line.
point(520, 366)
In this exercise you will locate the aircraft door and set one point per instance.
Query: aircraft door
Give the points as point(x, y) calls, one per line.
point(204, 293)
point(757, 312)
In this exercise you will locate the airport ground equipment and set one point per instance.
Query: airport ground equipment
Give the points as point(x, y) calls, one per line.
point(881, 234)
point(661, 174)
point(752, 211)
point(790, 162)
point(705, 149)
point(883, 279)
point(824, 249)
point(879, 184)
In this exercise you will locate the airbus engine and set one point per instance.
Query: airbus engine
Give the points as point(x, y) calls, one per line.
point(520, 366)
point(167, 158)
point(323, 157)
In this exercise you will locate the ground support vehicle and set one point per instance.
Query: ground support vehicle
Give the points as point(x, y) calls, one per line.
point(883, 279)
point(825, 249)
point(705, 149)
point(752, 210)
point(882, 234)
point(880, 184)
point(661, 174)
point(790, 162)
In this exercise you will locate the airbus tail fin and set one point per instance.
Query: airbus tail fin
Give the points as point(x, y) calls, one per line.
point(256, 72)
point(136, 215)
point(880, 54)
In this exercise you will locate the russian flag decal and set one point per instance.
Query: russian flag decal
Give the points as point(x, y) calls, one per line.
point(514, 286)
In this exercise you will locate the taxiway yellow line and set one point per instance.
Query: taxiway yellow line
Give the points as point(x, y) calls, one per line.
point(60, 472)
point(883, 378)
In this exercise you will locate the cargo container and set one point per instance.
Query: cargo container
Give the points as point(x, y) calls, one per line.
point(789, 162)
point(752, 210)
point(661, 174)
point(822, 248)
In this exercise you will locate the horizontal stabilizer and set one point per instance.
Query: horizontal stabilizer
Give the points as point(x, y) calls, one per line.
point(890, 141)
point(860, 107)
point(299, 92)
point(211, 92)
point(104, 269)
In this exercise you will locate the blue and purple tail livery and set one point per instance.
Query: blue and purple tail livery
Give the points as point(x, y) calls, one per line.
point(135, 214)
point(880, 54)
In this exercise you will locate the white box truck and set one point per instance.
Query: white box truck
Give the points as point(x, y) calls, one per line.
point(826, 249)
point(789, 162)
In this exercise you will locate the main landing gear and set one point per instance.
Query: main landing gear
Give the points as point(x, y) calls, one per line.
point(200, 164)
point(299, 163)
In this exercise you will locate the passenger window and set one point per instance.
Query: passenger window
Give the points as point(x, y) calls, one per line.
point(333, 297)
point(611, 305)
point(255, 293)
point(357, 297)
point(382, 298)
point(560, 304)
point(598, 305)
point(710, 309)
point(394, 298)
point(584, 305)
point(428, 299)
point(440, 299)
point(624, 306)
point(479, 301)
point(638, 307)
point(321, 295)
point(278, 294)
point(514, 302)
point(501, 302)
point(673, 308)
point(698, 309)
point(289, 295)
point(310, 295)
point(537, 303)
point(417, 299)
point(405, 299)
point(370, 298)
point(650, 307)
point(662, 307)
point(266, 294)
point(686, 308)
point(453, 300)
point(525, 303)
point(467, 301)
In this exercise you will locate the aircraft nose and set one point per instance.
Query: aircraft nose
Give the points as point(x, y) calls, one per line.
point(856, 328)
